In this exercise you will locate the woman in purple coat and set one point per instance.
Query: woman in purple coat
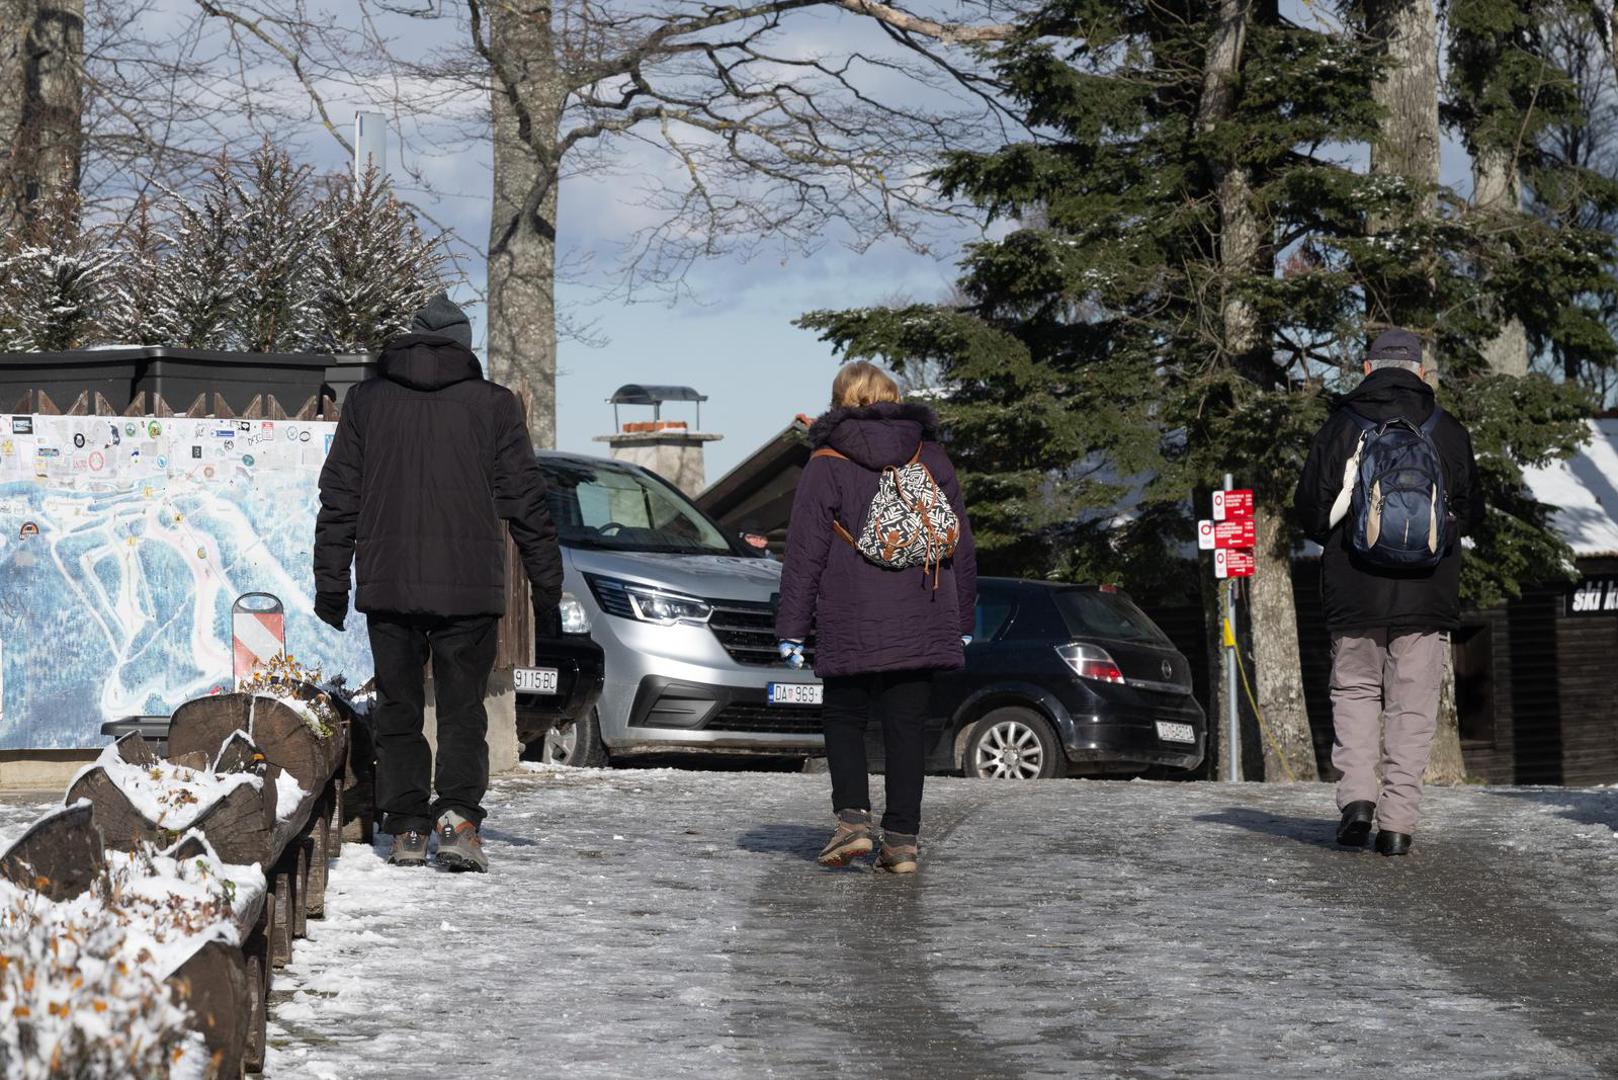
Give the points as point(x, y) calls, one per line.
point(880, 633)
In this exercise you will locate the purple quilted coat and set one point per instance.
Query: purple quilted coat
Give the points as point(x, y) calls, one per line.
point(867, 618)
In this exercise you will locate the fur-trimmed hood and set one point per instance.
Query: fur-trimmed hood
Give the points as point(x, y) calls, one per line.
point(876, 436)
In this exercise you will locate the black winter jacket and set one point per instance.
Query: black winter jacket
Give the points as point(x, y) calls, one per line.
point(428, 459)
point(1360, 596)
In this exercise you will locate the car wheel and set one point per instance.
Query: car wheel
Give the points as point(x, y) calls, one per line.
point(1013, 744)
point(575, 742)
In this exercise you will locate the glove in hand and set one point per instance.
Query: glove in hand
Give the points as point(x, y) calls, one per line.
point(547, 617)
point(331, 608)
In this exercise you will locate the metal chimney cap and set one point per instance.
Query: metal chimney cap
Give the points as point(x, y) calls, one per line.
point(641, 394)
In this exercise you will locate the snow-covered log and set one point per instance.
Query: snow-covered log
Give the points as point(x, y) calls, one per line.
point(60, 856)
point(152, 804)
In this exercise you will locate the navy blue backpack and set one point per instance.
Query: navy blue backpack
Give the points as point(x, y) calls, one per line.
point(1399, 510)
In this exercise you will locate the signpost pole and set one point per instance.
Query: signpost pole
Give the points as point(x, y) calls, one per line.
point(1233, 732)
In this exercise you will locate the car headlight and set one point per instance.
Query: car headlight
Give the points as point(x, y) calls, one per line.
point(666, 609)
point(575, 620)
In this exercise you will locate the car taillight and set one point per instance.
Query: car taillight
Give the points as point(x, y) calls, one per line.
point(1090, 662)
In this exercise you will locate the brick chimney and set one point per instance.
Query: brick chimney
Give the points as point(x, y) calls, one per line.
point(670, 448)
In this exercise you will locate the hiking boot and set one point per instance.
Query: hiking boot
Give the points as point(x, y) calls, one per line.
point(459, 845)
point(409, 849)
point(851, 840)
point(899, 853)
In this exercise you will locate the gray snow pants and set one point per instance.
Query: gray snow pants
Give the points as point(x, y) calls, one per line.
point(1384, 698)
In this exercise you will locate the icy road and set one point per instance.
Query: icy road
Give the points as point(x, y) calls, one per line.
point(658, 924)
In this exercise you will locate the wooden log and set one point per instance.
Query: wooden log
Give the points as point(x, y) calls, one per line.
point(43, 405)
point(103, 406)
point(134, 749)
point(240, 826)
point(213, 984)
point(334, 827)
point(283, 897)
point(285, 740)
point(81, 404)
point(256, 951)
point(60, 855)
point(198, 408)
point(359, 775)
point(300, 891)
point(314, 893)
point(240, 754)
point(196, 759)
point(206, 724)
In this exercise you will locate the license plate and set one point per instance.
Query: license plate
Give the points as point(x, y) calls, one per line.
point(794, 693)
point(1176, 732)
point(540, 680)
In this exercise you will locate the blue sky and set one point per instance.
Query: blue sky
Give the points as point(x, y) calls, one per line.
point(733, 337)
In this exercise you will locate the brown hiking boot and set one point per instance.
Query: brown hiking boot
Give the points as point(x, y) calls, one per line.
point(899, 853)
point(459, 845)
point(409, 849)
point(851, 840)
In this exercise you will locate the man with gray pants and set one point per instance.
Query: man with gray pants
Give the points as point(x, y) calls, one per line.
point(1390, 625)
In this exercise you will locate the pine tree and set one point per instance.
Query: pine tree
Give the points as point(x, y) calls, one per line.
point(50, 278)
point(374, 267)
point(1193, 268)
point(132, 296)
point(197, 282)
point(277, 233)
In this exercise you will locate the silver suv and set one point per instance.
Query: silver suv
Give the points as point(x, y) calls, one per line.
point(685, 616)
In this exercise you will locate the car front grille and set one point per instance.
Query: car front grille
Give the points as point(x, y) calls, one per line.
point(747, 631)
point(767, 719)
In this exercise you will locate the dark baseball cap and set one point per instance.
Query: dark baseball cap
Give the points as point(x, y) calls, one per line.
point(1397, 345)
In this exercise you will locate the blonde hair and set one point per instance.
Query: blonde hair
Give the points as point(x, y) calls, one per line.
point(862, 383)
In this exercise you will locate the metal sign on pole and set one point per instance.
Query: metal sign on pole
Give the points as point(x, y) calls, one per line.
point(370, 145)
point(1232, 535)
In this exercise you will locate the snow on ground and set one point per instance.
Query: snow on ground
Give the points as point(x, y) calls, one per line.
point(644, 923)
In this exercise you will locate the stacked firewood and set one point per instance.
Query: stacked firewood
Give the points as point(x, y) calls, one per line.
point(211, 859)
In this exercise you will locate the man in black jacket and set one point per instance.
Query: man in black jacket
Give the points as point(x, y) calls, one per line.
point(428, 460)
point(1389, 628)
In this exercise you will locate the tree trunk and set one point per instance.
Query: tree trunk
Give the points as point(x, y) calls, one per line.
point(1289, 745)
point(1277, 677)
point(1406, 32)
point(41, 102)
point(527, 97)
point(1495, 187)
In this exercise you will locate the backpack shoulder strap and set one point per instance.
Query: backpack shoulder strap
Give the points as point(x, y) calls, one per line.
point(1364, 423)
point(1430, 425)
point(916, 457)
point(837, 526)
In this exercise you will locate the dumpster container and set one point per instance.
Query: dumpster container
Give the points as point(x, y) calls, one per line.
point(65, 375)
point(346, 370)
point(179, 375)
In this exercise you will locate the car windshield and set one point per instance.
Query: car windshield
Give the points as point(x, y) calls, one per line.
point(1106, 615)
point(616, 509)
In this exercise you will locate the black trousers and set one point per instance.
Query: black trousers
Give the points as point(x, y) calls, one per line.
point(898, 699)
point(462, 652)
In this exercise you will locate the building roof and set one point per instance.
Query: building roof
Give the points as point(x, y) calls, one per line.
point(1584, 492)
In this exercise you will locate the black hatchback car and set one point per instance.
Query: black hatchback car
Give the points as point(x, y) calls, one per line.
point(1063, 678)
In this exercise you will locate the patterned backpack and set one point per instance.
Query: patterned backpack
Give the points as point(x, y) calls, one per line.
point(910, 522)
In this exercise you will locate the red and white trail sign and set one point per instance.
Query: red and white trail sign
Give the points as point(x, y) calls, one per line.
point(1233, 505)
point(1231, 562)
point(1214, 535)
point(258, 631)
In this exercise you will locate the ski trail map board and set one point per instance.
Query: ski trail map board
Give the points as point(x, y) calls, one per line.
point(124, 542)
